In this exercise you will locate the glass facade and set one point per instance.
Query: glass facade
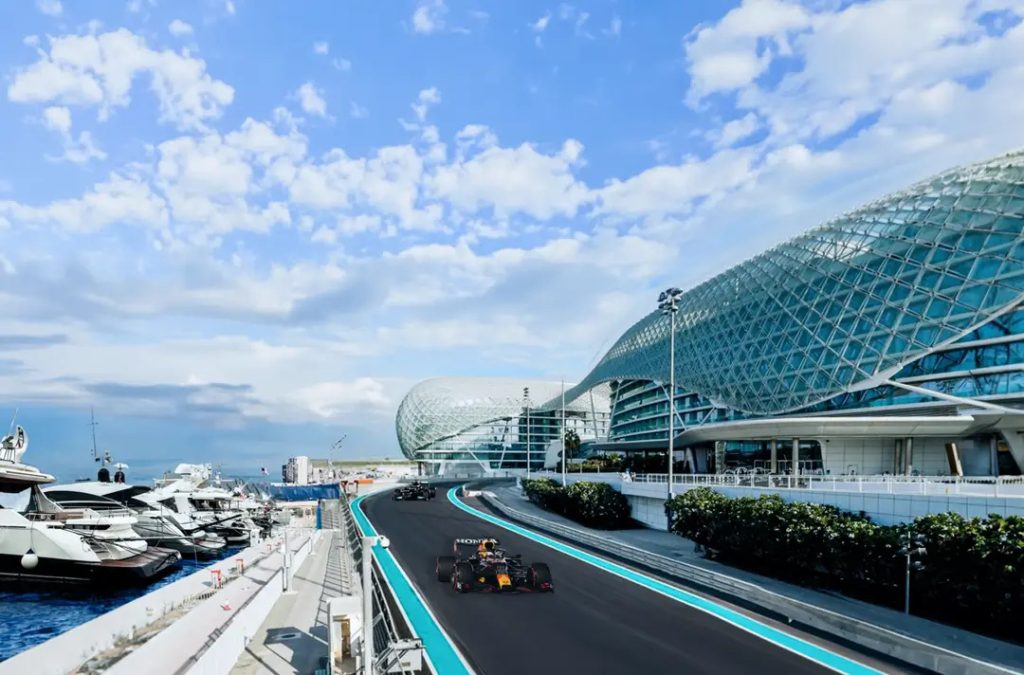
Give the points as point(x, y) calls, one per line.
point(919, 292)
point(468, 424)
point(846, 305)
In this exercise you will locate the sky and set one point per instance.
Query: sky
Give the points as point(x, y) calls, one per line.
point(239, 230)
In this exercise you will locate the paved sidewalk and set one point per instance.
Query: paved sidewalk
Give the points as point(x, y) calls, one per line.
point(293, 637)
point(678, 548)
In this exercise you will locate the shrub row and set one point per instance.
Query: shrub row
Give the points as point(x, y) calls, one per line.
point(973, 573)
point(593, 504)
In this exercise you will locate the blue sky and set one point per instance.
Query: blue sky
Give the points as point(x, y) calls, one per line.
point(241, 229)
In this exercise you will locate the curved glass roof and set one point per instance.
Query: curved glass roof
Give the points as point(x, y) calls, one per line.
point(843, 306)
point(443, 407)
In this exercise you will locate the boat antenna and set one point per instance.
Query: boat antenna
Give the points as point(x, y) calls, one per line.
point(14, 419)
point(93, 423)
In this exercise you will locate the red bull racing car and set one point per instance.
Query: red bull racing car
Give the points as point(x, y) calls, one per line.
point(482, 565)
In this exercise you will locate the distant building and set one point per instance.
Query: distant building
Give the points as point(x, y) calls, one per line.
point(888, 340)
point(296, 471)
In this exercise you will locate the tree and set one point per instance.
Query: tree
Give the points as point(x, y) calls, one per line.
point(572, 443)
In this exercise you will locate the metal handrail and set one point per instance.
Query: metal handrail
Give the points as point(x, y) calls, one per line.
point(974, 486)
point(387, 659)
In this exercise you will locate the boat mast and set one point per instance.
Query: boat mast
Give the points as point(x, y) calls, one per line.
point(93, 423)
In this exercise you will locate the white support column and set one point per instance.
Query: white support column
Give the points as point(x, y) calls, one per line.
point(908, 456)
point(774, 469)
point(993, 456)
point(796, 457)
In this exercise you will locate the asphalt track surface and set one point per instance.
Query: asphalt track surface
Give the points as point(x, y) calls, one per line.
point(594, 622)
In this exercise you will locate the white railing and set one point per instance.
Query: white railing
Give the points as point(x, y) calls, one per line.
point(968, 486)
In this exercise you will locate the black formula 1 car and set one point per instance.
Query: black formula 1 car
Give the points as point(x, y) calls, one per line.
point(481, 564)
point(414, 490)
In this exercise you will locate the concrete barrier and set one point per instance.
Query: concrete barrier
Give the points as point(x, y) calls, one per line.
point(877, 638)
point(221, 656)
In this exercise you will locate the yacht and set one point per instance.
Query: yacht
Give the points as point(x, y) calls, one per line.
point(192, 491)
point(50, 543)
point(155, 522)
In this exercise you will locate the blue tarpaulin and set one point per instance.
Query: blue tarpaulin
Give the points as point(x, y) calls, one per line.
point(304, 493)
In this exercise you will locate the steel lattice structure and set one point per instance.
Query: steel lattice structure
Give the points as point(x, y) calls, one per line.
point(844, 306)
point(451, 418)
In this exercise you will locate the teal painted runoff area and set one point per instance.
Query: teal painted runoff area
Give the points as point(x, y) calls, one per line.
point(443, 655)
point(813, 652)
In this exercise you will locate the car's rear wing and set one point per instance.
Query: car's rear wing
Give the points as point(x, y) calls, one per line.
point(472, 543)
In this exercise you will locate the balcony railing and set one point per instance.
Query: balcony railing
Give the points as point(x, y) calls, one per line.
point(968, 486)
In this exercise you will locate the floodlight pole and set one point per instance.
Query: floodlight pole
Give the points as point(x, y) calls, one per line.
point(563, 433)
point(526, 395)
point(668, 303)
point(671, 399)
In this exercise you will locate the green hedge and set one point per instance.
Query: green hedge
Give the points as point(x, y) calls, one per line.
point(593, 504)
point(973, 572)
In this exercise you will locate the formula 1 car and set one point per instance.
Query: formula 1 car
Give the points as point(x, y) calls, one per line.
point(480, 564)
point(414, 490)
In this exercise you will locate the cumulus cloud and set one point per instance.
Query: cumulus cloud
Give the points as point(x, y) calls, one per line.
point(179, 28)
point(737, 49)
point(77, 150)
point(120, 199)
point(512, 180)
point(429, 16)
point(424, 101)
point(50, 7)
point(735, 130)
point(99, 70)
point(311, 99)
point(321, 47)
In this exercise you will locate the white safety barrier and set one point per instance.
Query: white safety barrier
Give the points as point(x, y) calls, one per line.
point(871, 636)
point(228, 643)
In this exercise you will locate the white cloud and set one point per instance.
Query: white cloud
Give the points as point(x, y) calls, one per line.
point(512, 180)
point(136, 6)
point(670, 189)
point(429, 16)
point(335, 399)
point(387, 182)
point(98, 70)
point(80, 150)
point(120, 199)
point(736, 50)
point(357, 111)
point(541, 24)
point(614, 28)
point(50, 7)
point(322, 47)
point(424, 101)
point(57, 118)
point(179, 28)
point(577, 17)
point(311, 100)
point(344, 65)
point(735, 130)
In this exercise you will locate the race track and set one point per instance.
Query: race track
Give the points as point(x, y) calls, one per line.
point(595, 622)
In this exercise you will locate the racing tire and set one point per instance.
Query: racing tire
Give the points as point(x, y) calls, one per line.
point(539, 577)
point(444, 568)
point(463, 577)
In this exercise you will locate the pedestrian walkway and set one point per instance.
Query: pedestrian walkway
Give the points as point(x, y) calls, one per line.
point(678, 548)
point(293, 639)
